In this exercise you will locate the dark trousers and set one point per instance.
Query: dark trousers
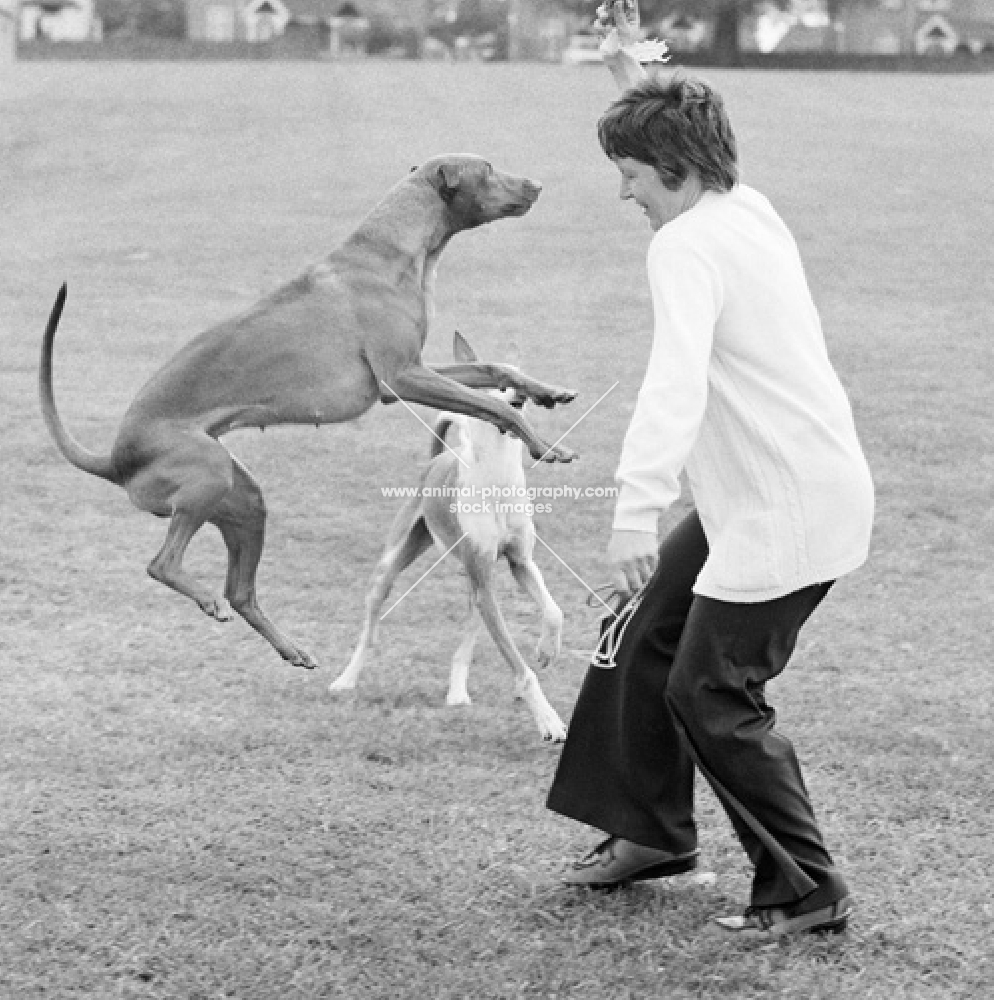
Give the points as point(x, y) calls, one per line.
point(687, 693)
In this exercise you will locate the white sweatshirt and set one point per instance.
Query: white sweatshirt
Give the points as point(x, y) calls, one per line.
point(740, 392)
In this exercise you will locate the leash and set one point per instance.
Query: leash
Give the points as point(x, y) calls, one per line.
point(612, 633)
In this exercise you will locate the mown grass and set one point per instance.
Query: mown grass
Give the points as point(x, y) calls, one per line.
point(185, 818)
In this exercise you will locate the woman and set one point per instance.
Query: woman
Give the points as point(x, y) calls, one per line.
point(739, 393)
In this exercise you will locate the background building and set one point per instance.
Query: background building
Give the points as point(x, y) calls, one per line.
point(345, 22)
point(8, 32)
point(58, 21)
point(923, 27)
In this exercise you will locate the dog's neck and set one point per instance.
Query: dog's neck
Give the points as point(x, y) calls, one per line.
point(428, 274)
point(411, 221)
point(410, 227)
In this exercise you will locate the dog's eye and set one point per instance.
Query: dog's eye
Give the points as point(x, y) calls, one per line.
point(414, 168)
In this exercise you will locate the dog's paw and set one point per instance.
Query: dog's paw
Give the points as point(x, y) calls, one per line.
point(555, 453)
point(550, 396)
point(298, 657)
point(218, 609)
point(552, 728)
point(342, 684)
point(547, 651)
point(457, 698)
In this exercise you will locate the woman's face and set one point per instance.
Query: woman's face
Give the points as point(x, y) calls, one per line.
point(641, 183)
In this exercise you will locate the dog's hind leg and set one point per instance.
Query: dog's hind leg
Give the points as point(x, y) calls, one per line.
point(407, 538)
point(526, 685)
point(458, 693)
point(242, 522)
point(185, 477)
point(167, 566)
point(530, 579)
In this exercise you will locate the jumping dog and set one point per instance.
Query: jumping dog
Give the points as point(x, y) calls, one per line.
point(322, 349)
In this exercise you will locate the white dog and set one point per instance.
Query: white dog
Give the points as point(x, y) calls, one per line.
point(465, 507)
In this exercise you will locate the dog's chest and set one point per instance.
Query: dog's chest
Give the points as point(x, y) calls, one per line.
point(428, 285)
point(494, 511)
point(494, 460)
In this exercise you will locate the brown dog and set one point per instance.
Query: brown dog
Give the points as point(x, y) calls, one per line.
point(321, 349)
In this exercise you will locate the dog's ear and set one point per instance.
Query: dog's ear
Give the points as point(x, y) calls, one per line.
point(461, 350)
point(449, 176)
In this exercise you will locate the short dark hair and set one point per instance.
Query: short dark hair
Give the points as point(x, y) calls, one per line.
point(675, 125)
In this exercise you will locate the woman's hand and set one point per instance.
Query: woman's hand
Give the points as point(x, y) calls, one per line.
point(632, 557)
point(618, 34)
point(611, 19)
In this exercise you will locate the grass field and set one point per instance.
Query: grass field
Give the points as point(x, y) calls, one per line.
point(183, 817)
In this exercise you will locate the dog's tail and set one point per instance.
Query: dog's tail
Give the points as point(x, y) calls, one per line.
point(72, 450)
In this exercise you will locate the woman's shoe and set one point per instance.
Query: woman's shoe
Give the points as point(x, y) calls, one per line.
point(617, 861)
point(763, 922)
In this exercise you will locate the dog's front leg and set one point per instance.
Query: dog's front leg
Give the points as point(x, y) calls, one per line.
point(529, 578)
point(481, 375)
point(526, 684)
point(418, 384)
